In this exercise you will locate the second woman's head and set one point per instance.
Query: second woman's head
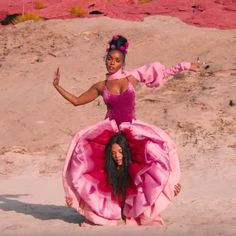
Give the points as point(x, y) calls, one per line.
point(116, 52)
point(117, 151)
point(117, 163)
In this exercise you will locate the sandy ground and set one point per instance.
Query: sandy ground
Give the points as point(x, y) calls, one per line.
point(37, 125)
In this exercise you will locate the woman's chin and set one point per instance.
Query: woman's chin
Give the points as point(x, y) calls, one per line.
point(111, 71)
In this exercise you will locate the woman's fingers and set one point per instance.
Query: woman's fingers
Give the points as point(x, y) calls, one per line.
point(58, 71)
point(195, 66)
point(68, 201)
point(177, 189)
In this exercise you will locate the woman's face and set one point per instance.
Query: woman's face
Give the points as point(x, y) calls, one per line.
point(114, 61)
point(117, 154)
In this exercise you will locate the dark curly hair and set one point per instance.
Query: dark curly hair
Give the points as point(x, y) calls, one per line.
point(120, 43)
point(118, 179)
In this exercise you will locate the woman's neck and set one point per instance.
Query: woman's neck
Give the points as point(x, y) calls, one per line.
point(117, 75)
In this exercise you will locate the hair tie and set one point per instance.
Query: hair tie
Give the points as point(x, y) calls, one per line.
point(122, 48)
point(119, 44)
point(115, 37)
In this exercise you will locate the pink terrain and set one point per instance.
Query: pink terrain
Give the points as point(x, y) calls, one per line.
point(209, 13)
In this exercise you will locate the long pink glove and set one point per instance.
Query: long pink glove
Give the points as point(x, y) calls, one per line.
point(152, 74)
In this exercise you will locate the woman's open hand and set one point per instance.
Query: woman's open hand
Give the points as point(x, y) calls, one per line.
point(57, 77)
point(195, 66)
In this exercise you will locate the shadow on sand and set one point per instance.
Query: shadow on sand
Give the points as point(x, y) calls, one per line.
point(9, 202)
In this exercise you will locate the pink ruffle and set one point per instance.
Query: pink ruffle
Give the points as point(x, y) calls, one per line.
point(154, 171)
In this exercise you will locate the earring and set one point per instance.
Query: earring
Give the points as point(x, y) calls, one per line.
point(123, 68)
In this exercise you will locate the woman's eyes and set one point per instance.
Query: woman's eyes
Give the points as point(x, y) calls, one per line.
point(114, 153)
point(110, 59)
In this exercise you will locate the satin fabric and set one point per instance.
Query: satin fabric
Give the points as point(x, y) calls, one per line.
point(154, 171)
point(151, 74)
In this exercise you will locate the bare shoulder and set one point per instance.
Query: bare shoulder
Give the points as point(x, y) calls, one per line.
point(132, 80)
point(99, 86)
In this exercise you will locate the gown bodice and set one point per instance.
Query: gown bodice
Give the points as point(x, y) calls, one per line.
point(121, 107)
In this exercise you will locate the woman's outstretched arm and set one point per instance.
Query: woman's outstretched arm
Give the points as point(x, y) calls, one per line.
point(153, 74)
point(178, 68)
point(92, 93)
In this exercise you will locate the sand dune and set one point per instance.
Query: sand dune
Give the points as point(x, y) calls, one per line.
point(197, 109)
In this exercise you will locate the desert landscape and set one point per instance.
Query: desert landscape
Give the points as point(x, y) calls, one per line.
point(197, 109)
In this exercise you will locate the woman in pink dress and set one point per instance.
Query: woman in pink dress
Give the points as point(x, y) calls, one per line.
point(153, 165)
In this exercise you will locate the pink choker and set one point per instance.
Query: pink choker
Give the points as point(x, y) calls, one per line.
point(118, 75)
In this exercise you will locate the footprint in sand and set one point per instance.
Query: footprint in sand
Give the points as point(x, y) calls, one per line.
point(13, 227)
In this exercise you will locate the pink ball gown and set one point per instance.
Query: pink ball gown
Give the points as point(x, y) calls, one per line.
point(154, 168)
